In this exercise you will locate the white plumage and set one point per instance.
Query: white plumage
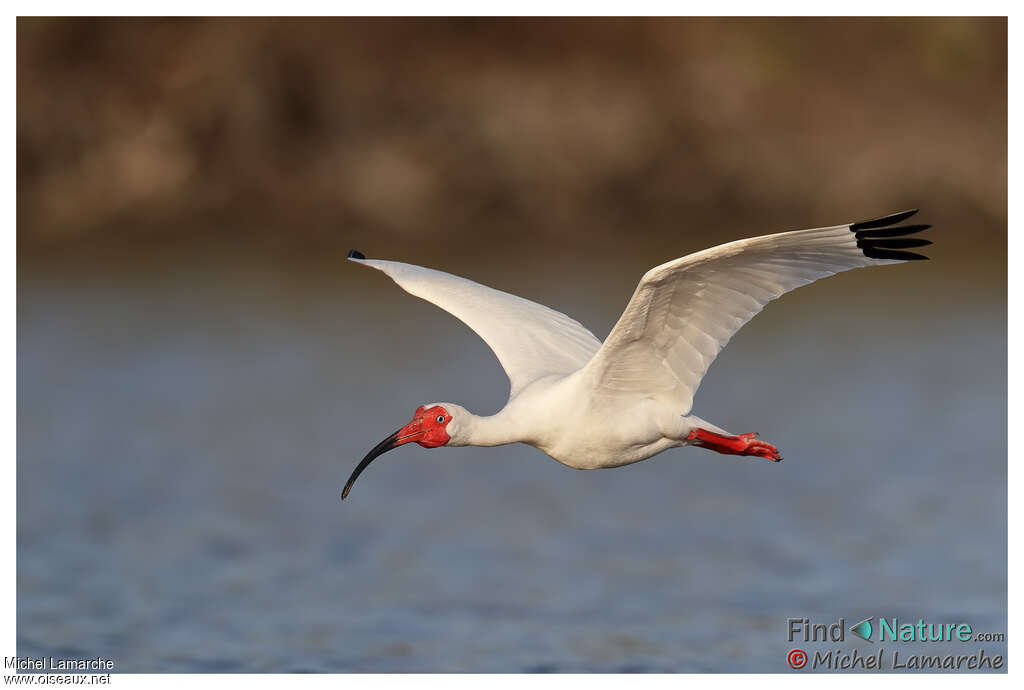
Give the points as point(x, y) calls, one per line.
point(530, 340)
point(591, 405)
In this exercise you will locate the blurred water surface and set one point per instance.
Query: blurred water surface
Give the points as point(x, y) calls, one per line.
point(185, 427)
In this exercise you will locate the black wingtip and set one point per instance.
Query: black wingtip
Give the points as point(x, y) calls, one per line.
point(882, 238)
point(884, 221)
point(356, 254)
point(891, 232)
point(892, 254)
point(894, 243)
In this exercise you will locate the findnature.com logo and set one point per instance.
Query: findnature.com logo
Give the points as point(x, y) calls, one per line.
point(888, 630)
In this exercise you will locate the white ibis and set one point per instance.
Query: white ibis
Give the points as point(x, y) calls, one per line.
point(592, 405)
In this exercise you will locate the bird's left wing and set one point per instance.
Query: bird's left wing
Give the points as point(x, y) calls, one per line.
point(685, 311)
point(530, 340)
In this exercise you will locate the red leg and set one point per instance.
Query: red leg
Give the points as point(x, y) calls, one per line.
point(744, 444)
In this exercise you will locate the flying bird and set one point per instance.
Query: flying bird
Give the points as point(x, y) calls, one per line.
point(593, 405)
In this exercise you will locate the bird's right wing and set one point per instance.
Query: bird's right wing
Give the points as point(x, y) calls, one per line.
point(685, 311)
point(530, 340)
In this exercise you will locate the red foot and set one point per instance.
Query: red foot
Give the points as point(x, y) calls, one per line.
point(744, 444)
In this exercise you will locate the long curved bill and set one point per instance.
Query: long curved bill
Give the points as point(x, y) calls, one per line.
point(391, 442)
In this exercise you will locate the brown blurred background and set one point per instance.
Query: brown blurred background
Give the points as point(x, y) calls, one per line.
point(545, 134)
point(199, 368)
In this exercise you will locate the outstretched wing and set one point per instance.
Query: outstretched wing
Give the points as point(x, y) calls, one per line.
point(685, 311)
point(530, 340)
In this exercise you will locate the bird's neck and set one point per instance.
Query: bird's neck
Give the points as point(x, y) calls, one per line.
point(496, 430)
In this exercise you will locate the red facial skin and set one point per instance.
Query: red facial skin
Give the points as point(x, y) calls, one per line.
point(425, 429)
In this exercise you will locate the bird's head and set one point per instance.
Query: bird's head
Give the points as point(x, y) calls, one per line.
point(429, 428)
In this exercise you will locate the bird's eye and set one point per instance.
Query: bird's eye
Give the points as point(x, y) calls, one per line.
point(440, 419)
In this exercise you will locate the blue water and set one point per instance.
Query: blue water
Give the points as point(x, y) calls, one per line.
point(184, 432)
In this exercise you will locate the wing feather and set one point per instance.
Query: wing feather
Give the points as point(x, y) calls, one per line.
point(685, 311)
point(530, 340)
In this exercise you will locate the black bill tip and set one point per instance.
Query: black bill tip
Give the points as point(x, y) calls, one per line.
point(383, 447)
point(355, 254)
